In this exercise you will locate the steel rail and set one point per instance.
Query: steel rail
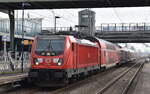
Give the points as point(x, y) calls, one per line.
point(113, 81)
point(32, 91)
point(85, 80)
point(68, 87)
point(132, 79)
point(82, 81)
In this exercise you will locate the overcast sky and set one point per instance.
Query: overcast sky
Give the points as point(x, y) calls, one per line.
point(69, 17)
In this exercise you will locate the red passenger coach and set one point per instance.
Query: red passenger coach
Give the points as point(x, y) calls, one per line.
point(109, 54)
point(126, 55)
point(59, 57)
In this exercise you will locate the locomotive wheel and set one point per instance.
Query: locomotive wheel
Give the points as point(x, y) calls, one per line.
point(66, 80)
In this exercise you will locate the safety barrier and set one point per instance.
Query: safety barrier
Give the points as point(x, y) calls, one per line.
point(12, 64)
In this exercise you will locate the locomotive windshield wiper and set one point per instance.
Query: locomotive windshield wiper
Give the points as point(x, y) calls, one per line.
point(50, 46)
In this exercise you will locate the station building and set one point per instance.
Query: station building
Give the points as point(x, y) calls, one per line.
point(32, 26)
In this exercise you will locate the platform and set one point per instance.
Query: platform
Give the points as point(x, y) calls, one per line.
point(143, 85)
point(6, 79)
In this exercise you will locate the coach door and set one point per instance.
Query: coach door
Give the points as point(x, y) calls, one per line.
point(74, 52)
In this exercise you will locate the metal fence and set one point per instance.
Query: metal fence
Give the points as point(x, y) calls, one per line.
point(52, 29)
point(124, 27)
point(108, 27)
point(12, 63)
point(32, 26)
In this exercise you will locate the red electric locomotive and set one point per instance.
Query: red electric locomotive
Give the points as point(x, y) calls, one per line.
point(57, 58)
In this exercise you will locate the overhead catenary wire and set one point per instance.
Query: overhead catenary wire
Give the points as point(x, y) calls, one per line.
point(109, 2)
point(43, 16)
point(70, 14)
point(73, 4)
point(67, 19)
point(116, 13)
point(64, 18)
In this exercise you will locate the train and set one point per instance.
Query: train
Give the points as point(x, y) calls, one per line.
point(60, 57)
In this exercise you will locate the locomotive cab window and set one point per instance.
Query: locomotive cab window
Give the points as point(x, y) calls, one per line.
point(49, 47)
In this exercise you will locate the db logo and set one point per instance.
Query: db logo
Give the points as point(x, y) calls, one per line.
point(48, 60)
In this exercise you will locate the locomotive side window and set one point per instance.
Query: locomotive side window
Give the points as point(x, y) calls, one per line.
point(50, 47)
point(105, 53)
point(72, 46)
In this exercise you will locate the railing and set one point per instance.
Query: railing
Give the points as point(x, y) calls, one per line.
point(31, 27)
point(58, 29)
point(124, 27)
point(9, 64)
point(108, 27)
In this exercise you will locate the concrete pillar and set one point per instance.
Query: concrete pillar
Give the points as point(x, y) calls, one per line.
point(12, 29)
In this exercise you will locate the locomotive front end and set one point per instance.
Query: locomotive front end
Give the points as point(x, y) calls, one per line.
point(48, 52)
point(47, 59)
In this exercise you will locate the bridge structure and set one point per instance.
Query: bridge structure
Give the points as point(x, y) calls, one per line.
point(8, 6)
point(124, 32)
point(50, 4)
point(117, 32)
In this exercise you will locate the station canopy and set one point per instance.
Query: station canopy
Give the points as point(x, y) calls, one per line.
point(59, 4)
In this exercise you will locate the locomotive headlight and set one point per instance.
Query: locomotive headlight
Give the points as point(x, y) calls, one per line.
point(38, 61)
point(59, 64)
point(58, 61)
point(55, 60)
point(48, 54)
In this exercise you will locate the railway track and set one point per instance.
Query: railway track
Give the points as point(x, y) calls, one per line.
point(88, 81)
point(126, 78)
point(67, 88)
point(102, 78)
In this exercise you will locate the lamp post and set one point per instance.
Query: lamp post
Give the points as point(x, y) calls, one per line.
point(56, 17)
point(22, 41)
